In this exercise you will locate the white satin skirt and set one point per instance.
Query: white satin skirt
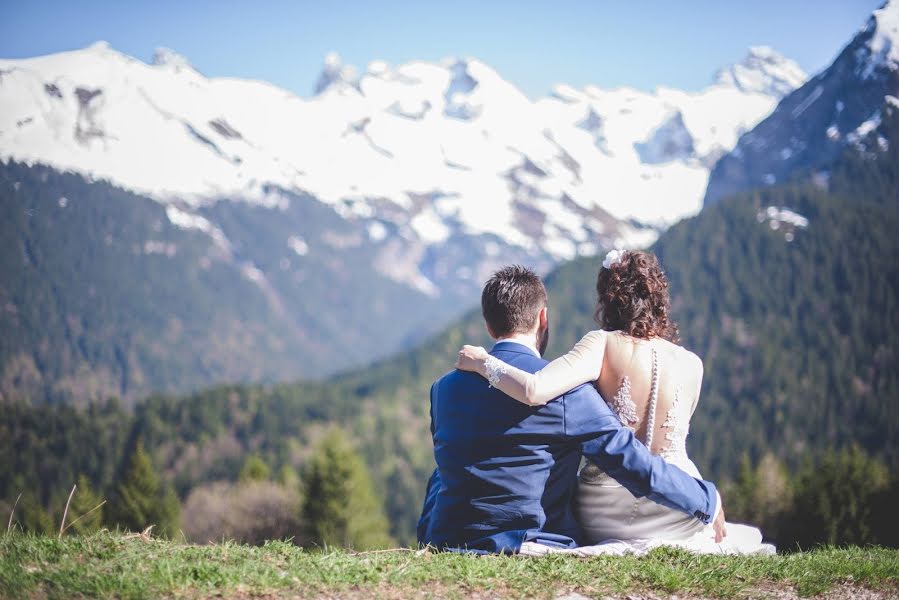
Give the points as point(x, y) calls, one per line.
point(616, 522)
point(606, 511)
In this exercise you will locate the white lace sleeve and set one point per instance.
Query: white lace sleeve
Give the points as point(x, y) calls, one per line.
point(582, 364)
point(495, 369)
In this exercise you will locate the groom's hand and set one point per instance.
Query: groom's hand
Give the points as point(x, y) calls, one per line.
point(718, 525)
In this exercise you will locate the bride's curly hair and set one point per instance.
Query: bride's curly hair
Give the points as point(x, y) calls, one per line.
point(633, 298)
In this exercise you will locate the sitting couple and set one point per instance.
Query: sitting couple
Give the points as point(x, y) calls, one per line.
point(510, 430)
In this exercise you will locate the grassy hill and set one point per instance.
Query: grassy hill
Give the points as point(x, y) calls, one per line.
point(107, 565)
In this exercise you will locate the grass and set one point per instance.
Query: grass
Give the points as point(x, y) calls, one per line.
point(109, 565)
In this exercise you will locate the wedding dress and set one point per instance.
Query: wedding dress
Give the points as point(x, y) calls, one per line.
point(613, 519)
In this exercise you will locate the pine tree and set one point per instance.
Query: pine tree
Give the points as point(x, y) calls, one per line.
point(85, 500)
point(32, 517)
point(288, 477)
point(761, 495)
point(169, 513)
point(140, 499)
point(773, 495)
point(835, 502)
point(340, 507)
point(254, 469)
point(738, 495)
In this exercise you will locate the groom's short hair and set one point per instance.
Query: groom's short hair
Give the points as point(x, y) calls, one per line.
point(512, 300)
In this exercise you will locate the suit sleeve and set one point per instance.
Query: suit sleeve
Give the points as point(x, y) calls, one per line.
point(615, 450)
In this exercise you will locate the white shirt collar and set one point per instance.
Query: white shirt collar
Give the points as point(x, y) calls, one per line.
point(524, 340)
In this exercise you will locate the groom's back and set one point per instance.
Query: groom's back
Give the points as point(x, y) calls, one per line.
point(506, 470)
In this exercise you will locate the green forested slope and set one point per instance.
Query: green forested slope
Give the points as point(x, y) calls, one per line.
point(101, 294)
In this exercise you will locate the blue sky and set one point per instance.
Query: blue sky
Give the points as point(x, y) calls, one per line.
point(533, 44)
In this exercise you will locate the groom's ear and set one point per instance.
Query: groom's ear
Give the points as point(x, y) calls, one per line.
point(544, 317)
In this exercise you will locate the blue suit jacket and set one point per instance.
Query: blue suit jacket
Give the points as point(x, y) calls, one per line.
point(506, 472)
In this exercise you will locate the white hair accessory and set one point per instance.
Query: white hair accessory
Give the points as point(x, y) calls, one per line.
point(613, 258)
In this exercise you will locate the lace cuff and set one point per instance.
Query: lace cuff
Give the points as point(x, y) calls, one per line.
point(495, 369)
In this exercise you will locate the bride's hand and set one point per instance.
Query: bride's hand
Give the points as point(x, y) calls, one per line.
point(471, 358)
point(720, 527)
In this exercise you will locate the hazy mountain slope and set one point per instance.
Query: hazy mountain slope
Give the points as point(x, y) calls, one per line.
point(102, 295)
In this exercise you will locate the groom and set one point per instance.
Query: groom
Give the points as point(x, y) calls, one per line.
point(506, 473)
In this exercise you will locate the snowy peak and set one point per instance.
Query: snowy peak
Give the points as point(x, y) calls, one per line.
point(813, 125)
point(763, 71)
point(670, 141)
point(99, 46)
point(883, 43)
point(166, 57)
point(336, 76)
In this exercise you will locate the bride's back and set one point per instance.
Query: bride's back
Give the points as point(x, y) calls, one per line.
point(626, 383)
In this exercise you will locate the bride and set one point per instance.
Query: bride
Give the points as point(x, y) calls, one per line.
point(650, 382)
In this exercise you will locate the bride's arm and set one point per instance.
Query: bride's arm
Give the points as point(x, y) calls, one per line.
point(582, 364)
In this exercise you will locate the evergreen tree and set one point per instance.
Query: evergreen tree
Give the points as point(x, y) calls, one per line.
point(772, 497)
point(761, 495)
point(254, 469)
point(169, 512)
point(31, 517)
point(835, 502)
point(140, 499)
point(340, 507)
point(288, 477)
point(84, 500)
point(737, 496)
point(884, 515)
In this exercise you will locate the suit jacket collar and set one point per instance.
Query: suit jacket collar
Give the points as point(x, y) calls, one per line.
point(512, 346)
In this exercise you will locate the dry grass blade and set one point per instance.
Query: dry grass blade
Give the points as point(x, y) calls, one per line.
point(143, 536)
point(383, 551)
point(65, 513)
point(84, 515)
point(12, 512)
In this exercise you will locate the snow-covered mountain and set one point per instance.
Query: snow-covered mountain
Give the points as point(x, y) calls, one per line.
point(812, 125)
point(261, 236)
point(421, 153)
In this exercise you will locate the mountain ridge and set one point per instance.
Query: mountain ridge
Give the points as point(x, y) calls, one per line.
point(813, 124)
point(209, 125)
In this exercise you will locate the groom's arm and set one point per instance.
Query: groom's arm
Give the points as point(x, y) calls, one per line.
point(424, 522)
point(615, 450)
point(431, 491)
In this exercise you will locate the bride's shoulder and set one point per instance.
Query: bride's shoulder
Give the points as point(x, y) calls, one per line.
point(597, 334)
point(596, 337)
point(687, 358)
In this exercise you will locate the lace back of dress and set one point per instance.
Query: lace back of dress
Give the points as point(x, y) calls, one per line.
point(676, 420)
